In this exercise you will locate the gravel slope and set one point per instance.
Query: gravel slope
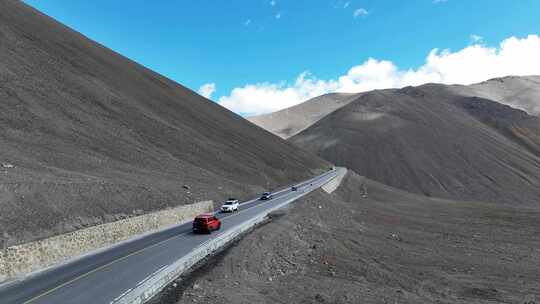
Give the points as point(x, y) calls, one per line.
point(521, 92)
point(388, 247)
point(291, 121)
point(430, 141)
point(456, 141)
point(88, 136)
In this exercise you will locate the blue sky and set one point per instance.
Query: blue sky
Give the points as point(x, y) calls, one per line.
point(269, 44)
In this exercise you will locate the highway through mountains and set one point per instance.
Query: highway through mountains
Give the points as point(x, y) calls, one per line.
point(104, 276)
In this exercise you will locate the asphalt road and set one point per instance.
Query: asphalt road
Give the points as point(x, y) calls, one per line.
point(104, 276)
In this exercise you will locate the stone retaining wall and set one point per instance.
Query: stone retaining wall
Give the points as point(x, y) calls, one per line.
point(25, 258)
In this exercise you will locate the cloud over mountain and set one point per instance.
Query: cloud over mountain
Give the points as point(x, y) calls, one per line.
point(474, 63)
point(207, 90)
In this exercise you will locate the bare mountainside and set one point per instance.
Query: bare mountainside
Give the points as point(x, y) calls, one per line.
point(432, 141)
point(520, 92)
point(291, 121)
point(388, 247)
point(88, 136)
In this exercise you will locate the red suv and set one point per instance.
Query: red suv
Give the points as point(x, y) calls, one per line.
point(206, 223)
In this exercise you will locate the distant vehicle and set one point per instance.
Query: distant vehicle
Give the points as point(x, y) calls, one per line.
point(293, 188)
point(230, 205)
point(266, 196)
point(206, 223)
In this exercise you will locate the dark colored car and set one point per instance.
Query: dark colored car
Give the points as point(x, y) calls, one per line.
point(266, 196)
point(206, 223)
point(294, 188)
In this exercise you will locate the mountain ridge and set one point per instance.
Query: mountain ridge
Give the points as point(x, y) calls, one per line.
point(290, 121)
point(89, 136)
point(431, 141)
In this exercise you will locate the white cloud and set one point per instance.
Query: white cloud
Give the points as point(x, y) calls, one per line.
point(474, 63)
point(268, 97)
point(476, 38)
point(346, 4)
point(273, 3)
point(278, 16)
point(207, 90)
point(360, 12)
point(247, 22)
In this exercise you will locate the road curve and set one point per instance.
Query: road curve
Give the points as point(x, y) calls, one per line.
point(106, 275)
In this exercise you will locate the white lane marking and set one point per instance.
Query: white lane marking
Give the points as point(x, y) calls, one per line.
point(314, 181)
point(301, 184)
point(245, 210)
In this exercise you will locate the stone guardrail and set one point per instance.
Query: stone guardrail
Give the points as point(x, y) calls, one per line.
point(334, 183)
point(151, 286)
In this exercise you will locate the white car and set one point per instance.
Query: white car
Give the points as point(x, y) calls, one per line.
point(230, 205)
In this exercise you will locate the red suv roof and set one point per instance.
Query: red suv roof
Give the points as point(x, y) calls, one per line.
point(204, 215)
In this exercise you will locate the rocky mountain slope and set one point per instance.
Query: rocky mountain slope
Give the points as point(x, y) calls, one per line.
point(291, 121)
point(88, 136)
point(519, 92)
point(431, 141)
point(388, 247)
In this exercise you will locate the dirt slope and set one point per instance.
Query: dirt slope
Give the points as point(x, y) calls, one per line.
point(87, 135)
point(519, 92)
point(291, 121)
point(390, 247)
point(431, 141)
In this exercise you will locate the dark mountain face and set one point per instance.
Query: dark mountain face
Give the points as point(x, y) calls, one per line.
point(516, 125)
point(521, 92)
point(87, 135)
point(429, 140)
